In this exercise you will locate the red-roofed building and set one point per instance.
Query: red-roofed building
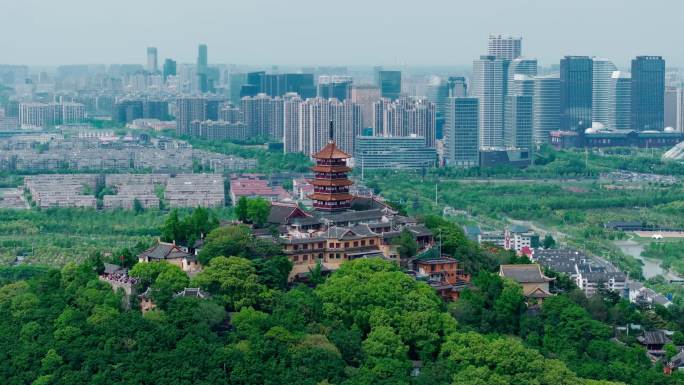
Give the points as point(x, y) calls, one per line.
point(254, 186)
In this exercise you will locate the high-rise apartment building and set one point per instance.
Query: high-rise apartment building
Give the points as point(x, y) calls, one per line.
point(263, 116)
point(73, 113)
point(337, 86)
point(576, 79)
point(648, 93)
point(508, 47)
point(365, 96)
point(390, 84)
point(602, 95)
point(621, 101)
point(489, 85)
point(307, 123)
point(405, 117)
point(545, 107)
point(152, 60)
point(189, 109)
point(461, 132)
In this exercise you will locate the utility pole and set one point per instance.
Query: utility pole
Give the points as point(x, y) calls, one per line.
point(435, 193)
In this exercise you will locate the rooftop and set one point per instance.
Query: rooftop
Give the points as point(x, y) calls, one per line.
point(524, 273)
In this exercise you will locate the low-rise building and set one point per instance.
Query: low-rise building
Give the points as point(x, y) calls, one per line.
point(444, 274)
point(170, 253)
point(255, 186)
point(534, 283)
point(519, 238)
point(591, 278)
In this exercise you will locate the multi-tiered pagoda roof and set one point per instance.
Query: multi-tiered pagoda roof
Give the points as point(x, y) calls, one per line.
point(331, 183)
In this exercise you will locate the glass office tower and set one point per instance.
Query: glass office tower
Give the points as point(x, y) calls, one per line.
point(576, 77)
point(648, 93)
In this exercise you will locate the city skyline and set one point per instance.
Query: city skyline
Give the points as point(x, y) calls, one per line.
point(253, 33)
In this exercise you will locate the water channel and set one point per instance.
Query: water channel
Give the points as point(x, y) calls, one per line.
point(651, 267)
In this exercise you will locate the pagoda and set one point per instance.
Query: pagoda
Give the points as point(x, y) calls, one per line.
point(331, 184)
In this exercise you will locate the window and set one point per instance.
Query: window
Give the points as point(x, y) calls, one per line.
point(320, 245)
point(295, 258)
point(363, 242)
point(295, 247)
point(346, 244)
point(356, 243)
point(305, 257)
point(371, 241)
point(305, 247)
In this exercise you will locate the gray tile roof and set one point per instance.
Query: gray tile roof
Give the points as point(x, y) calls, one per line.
point(164, 251)
point(524, 273)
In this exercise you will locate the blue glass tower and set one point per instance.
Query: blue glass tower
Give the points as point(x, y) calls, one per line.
point(576, 75)
point(648, 93)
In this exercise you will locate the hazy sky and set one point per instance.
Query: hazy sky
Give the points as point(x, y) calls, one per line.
point(343, 32)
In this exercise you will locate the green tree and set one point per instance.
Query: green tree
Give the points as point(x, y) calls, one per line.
point(172, 230)
point(241, 209)
point(137, 206)
point(548, 242)
point(233, 281)
point(257, 211)
point(236, 241)
point(406, 244)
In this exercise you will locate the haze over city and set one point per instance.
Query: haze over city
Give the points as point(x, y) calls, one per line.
point(353, 32)
point(307, 192)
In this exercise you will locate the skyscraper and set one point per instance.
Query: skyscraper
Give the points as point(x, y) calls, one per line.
point(202, 56)
point(437, 91)
point(674, 108)
point(202, 72)
point(461, 133)
point(546, 107)
point(390, 84)
point(602, 95)
point(365, 96)
point(169, 68)
point(648, 93)
point(458, 87)
point(576, 77)
point(505, 47)
point(519, 115)
point(337, 86)
point(279, 84)
point(236, 81)
point(489, 85)
point(152, 60)
point(521, 66)
point(621, 105)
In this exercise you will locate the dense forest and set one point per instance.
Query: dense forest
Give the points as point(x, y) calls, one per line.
point(367, 323)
